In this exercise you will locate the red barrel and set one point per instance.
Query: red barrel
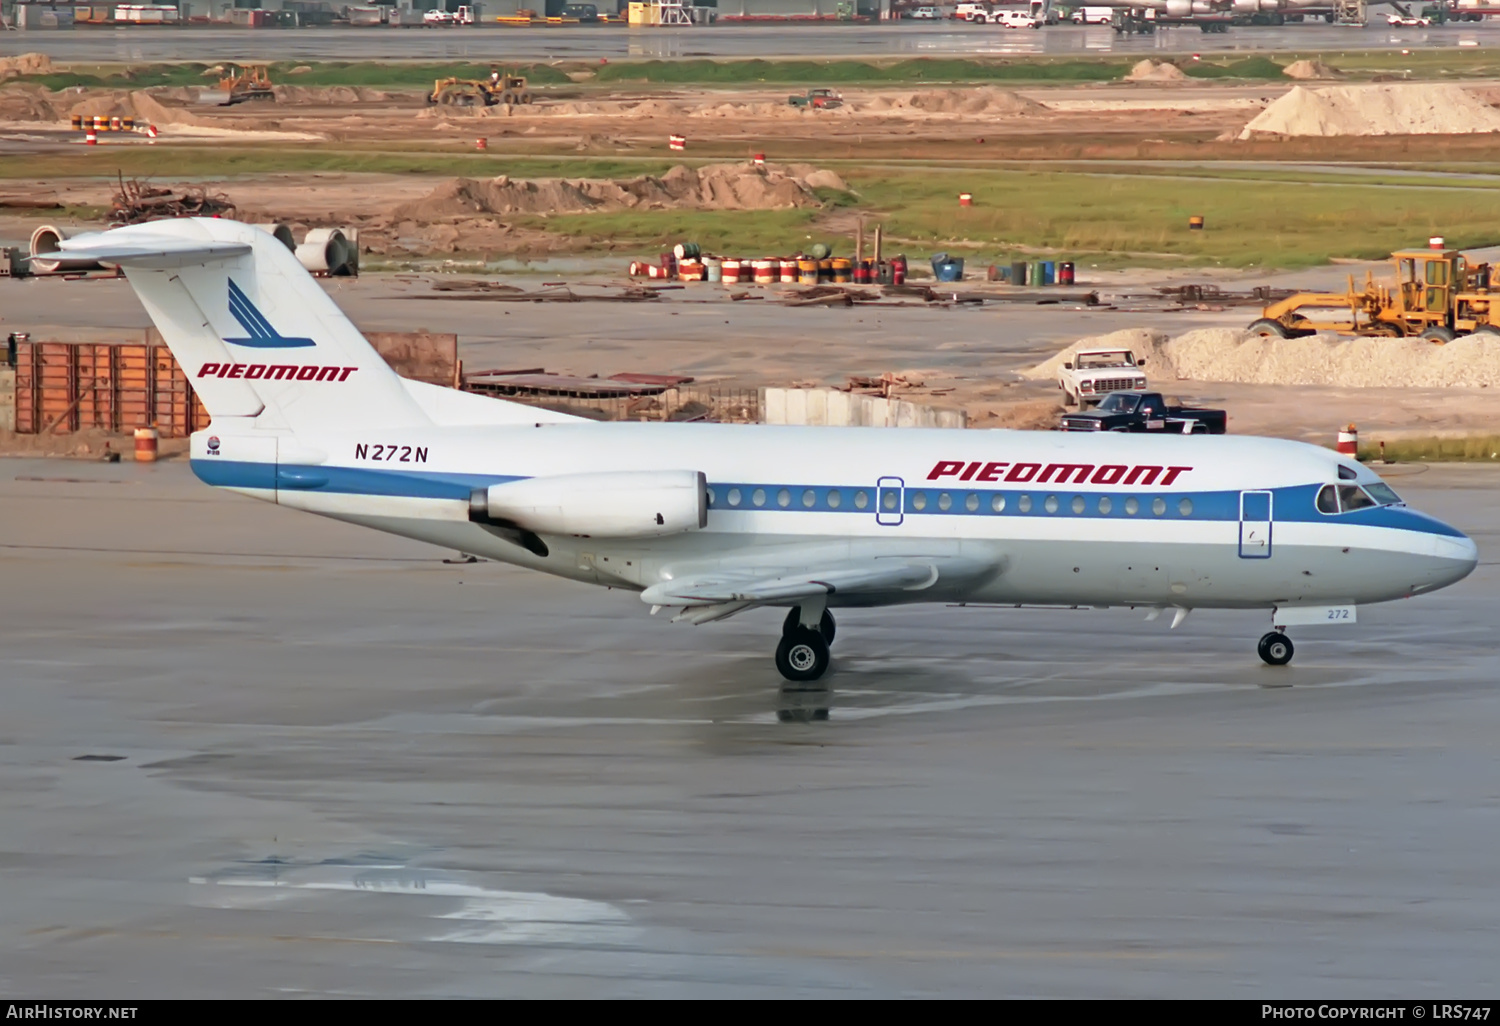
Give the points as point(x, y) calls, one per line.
point(862, 272)
point(1065, 272)
point(898, 270)
point(145, 445)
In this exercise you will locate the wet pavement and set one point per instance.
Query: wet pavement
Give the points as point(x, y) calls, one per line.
point(247, 752)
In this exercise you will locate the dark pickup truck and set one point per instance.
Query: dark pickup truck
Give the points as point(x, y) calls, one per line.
point(1146, 411)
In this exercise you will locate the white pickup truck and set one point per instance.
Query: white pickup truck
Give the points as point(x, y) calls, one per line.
point(1094, 373)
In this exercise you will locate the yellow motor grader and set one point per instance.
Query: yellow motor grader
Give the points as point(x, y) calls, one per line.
point(1437, 295)
point(472, 92)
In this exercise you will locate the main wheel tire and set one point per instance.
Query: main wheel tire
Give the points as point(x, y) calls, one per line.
point(793, 622)
point(1265, 327)
point(507, 97)
point(802, 655)
point(523, 97)
point(1276, 649)
point(1438, 334)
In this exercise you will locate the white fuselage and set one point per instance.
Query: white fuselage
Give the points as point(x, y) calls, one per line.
point(1097, 519)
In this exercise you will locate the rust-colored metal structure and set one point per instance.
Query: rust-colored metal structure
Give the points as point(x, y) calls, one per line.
point(63, 387)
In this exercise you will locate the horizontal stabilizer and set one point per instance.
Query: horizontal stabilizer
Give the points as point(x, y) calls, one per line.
point(151, 251)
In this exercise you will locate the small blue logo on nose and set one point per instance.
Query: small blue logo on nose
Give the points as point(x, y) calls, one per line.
point(259, 331)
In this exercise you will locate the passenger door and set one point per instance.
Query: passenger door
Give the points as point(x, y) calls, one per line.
point(1255, 525)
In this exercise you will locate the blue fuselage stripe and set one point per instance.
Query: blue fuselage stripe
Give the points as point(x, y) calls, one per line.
point(1289, 505)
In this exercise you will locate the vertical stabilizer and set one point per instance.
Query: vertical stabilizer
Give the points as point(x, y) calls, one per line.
point(251, 328)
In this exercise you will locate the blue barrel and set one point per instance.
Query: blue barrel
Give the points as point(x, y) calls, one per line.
point(1049, 272)
point(951, 269)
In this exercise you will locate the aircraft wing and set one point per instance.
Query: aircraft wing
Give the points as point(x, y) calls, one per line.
point(722, 592)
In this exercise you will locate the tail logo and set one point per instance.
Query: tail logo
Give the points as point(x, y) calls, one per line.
point(259, 331)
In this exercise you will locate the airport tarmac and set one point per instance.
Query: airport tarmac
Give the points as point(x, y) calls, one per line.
point(246, 752)
point(134, 44)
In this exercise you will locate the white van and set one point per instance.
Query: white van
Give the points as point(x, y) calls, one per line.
point(1014, 19)
point(1092, 15)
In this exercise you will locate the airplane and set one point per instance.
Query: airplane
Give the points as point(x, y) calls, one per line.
point(711, 520)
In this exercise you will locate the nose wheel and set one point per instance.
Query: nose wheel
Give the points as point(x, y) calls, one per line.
point(803, 653)
point(1276, 648)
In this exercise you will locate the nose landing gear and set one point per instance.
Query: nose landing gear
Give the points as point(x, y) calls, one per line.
point(803, 653)
point(1276, 648)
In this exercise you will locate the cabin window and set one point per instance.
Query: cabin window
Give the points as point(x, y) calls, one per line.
point(945, 502)
point(998, 504)
point(861, 500)
point(972, 503)
point(1078, 504)
point(1050, 504)
point(1353, 497)
point(734, 496)
point(784, 498)
point(1024, 504)
point(809, 498)
point(1132, 506)
point(835, 498)
point(1185, 508)
point(1158, 505)
point(712, 498)
point(1328, 499)
point(1105, 505)
point(919, 500)
point(758, 497)
point(888, 500)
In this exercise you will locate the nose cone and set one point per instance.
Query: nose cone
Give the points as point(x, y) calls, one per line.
point(1455, 557)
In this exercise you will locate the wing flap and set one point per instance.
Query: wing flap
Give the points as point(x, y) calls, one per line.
point(757, 589)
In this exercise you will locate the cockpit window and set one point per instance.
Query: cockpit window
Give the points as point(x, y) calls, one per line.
point(1347, 473)
point(1119, 403)
point(1328, 499)
point(1347, 498)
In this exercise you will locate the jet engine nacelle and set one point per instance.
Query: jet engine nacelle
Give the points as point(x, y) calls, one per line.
point(1183, 8)
point(616, 504)
point(1251, 6)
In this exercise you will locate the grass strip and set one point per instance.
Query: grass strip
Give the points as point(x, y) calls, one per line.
point(1464, 449)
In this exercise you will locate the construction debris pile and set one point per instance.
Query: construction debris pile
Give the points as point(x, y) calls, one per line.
point(711, 187)
point(136, 201)
point(1387, 109)
point(1233, 355)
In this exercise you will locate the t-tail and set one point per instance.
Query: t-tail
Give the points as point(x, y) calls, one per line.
point(255, 334)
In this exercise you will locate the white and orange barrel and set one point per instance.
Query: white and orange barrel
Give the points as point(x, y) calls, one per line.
point(90, 138)
point(1436, 242)
point(760, 159)
point(677, 142)
point(116, 124)
point(729, 271)
point(101, 122)
point(966, 199)
point(787, 272)
point(151, 132)
point(481, 143)
point(766, 271)
point(145, 445)
point(1348, 444)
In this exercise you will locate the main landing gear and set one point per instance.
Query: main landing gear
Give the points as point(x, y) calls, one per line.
point(1276, 648)
point(803, 652)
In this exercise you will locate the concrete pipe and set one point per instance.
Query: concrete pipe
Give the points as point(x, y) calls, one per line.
point(280, 232)
point(47, 239)
point(324, 251)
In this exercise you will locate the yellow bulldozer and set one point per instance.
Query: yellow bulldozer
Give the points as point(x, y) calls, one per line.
point(239, 83)
point(1438, 295)
point(474, 92)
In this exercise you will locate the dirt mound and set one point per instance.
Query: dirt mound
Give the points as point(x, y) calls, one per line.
point(986, 100)
point(147, 106)
point(713, 187)
point(21, 103)
point(25, 64)
point(1414, 109)
point(1151, 71)
point(1311, 70)
point(329, 94)
point(1230, 354)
